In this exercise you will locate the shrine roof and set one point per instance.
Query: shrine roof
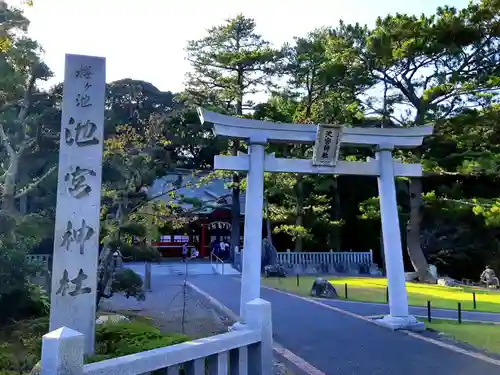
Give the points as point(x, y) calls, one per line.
point(214, 193)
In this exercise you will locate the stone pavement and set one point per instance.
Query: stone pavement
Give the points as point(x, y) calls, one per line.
point(370, 309)
point(338, 344)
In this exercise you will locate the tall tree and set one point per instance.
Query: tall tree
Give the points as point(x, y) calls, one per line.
point(326, 89)
point(429, 68)
point(230, 63)
point(21, 130)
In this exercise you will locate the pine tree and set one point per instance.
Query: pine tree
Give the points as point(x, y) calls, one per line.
point(230, 63)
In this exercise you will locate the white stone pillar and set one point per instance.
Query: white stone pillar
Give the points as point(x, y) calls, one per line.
point(76, 235)
point(62, 352)
point(399, 317)
point(252, 240)
point(260, 317)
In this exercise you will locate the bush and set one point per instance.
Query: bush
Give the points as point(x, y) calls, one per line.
point(140, 253)
point(124, 338)
point(129, 283)
point(136, 252)
point(19, 299)
point(21, 343)
point(32, 301)
point(7, 357)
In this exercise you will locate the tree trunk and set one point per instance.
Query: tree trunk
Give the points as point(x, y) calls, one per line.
point(9, 187)
point(336, 216)
point(235, 193)
point(268, 223)
point(413, 242)
point(299, 218)
point(104, 274)
point(23, 201)
point(235, 207)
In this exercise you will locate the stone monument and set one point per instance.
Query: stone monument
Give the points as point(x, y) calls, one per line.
point(76, 236)
point(269, 254)
point(269, 261)
point(323, 288)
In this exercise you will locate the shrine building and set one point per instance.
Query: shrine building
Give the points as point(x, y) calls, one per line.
point(211, 213)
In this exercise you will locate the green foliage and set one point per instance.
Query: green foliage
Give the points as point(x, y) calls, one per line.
point(31, 301)
point(136, 252)
point(124, 338)
point(21, 342)
point(229, 63)
point(13, 263)
point(490, 212)
point(294, 231)
point(129, 283)
point(26, 159)
point(19, 298)
point(456, 239)
point(370, 209)
point(405, 70)
point(21, 345)
point(133, 229)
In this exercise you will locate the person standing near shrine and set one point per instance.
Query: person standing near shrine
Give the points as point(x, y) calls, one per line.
point(223, 250)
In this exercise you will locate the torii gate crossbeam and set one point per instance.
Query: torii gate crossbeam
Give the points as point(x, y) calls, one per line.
point(259, 133)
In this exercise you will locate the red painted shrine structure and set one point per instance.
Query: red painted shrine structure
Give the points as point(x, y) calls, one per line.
point(200, 235)
point(213, 219)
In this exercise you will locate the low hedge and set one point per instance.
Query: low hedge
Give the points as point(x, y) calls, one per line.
point(20, 343)
point(124, 338)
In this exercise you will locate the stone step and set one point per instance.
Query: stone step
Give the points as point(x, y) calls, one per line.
point(181, 269)
point(173, 269)
point(225, 269)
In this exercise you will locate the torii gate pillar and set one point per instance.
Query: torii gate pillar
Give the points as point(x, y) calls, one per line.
point(258, 133)
point(252, 240)
point(398, 299)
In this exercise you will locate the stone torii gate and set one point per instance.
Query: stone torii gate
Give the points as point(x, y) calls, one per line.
point(326, 140)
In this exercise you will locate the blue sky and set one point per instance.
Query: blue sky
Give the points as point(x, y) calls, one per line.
point(145, 40)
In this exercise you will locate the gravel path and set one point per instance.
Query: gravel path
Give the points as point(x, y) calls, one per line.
point(174, 308)
point(338, 344)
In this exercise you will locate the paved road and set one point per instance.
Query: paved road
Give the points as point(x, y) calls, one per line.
point(338, 344)
point(369, 309)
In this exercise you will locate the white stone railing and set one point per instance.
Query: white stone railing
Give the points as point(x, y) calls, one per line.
point(246, 351)
point(217, 264)
point(346, 258)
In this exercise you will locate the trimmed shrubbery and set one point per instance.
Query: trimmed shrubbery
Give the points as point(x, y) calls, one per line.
point(124, 338)
point(20, 343)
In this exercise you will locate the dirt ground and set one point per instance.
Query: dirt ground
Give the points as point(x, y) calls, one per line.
point(173, 308)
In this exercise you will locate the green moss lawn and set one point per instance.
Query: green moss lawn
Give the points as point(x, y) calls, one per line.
point(483, 336)
point(374, 290)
